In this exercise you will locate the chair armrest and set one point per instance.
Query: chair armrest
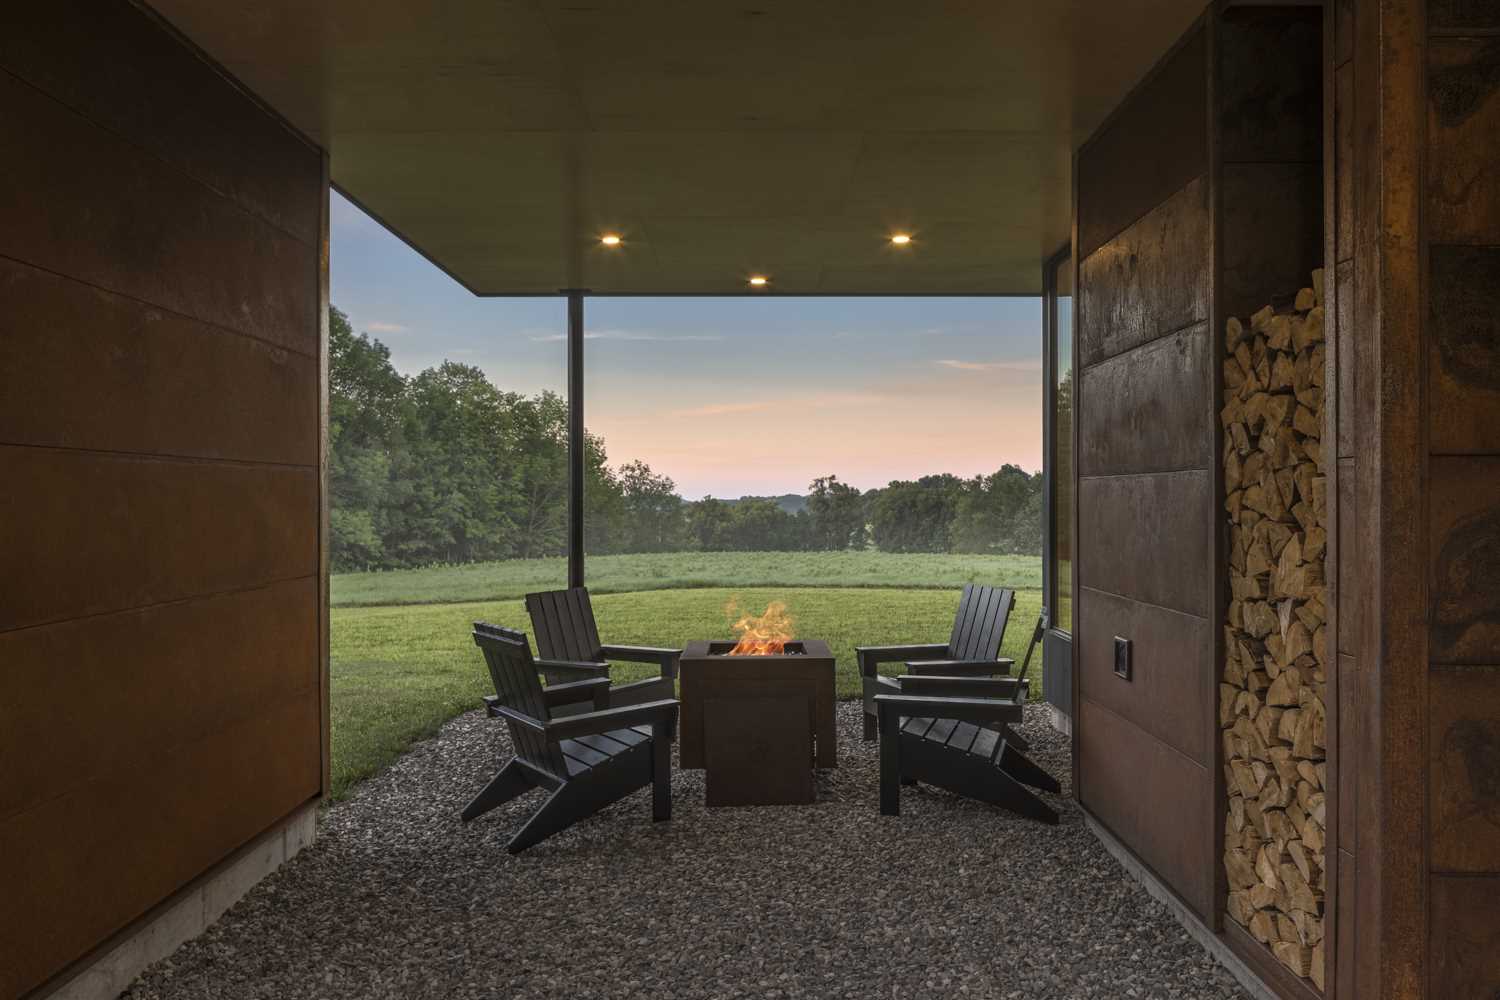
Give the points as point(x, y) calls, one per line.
point(519, 718)
point(962, 687)
point(595, 689)
point(590, 723)
point(962, 668)
point(573, 668)
point(869, 657)
point(959, 709)
point(645, 654)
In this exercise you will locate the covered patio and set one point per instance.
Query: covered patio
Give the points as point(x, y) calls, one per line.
point(1265, 241)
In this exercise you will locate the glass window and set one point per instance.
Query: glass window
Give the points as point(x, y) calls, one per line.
point(1061, 457)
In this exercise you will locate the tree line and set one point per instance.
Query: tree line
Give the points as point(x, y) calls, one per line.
point(444, 467)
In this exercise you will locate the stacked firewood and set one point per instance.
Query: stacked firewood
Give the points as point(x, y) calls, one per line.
point(1273, 694)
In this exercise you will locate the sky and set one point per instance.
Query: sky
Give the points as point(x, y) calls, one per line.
point(730, 396)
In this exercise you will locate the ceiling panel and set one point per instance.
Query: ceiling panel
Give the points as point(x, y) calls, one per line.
point(771, 136)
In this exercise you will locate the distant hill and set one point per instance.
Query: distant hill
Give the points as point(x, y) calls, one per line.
point(792, 503)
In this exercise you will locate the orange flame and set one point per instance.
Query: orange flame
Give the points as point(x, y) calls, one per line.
point(765, 635)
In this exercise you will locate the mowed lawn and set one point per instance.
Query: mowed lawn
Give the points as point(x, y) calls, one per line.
point(498, 581)
point(400, 672)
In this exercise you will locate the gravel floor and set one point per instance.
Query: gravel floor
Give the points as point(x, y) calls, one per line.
point(398, 899)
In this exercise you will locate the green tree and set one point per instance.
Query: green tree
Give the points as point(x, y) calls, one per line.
point(837, 515)
point(709, 522)
point(915, 516)
point(653, 511)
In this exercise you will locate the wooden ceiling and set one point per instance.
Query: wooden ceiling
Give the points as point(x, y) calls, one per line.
point(787, 138)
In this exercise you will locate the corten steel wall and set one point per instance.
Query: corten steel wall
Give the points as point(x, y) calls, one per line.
point(1147, 509)
point(1416, 240)
point(1199, 199)
point(161, 269)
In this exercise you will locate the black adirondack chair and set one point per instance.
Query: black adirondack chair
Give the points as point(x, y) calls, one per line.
point(585, 761)
point(972, 650)
point(950, 732)
point(568, 640)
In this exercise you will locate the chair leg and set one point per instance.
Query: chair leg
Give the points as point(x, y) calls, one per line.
point(661, 770)
point(890, 763)
point(1013, 739)
point(1008, 793)
point(560, 811)
point(1019, 767)
point(870, 727)
point(510, 782)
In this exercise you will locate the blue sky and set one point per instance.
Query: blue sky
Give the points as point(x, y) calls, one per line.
point(731, 396)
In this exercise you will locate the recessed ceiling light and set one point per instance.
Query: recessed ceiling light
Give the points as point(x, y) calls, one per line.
point(610, 240)
point(759, 281)
point(900, 239)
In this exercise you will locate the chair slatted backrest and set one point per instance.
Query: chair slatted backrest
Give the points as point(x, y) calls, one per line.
point(563, 622)
point(980, 622)
point(517, 686)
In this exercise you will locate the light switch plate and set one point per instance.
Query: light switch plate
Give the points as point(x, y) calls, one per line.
point(1122, 658)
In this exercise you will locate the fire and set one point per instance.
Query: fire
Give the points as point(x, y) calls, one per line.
point(765, 635)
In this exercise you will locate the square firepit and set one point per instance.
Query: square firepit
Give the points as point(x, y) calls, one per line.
point(742, 738)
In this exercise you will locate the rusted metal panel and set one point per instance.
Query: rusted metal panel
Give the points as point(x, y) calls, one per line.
point(1270, 116)
point(1149, 280)
point(1155, 144)
point(84, 864)
point(127, 677)
point(1272, 232)
point(106, 212)
point(1464, 615)
point(84, 368)
point(1463, 118)
point(1150, 538)
point(1172, 675)
point(1463, 336)
point(167, 100)
point(1465, 937)
point(1464, 774)
point(1463, 15)
point(87, 533)
point(1147, 410)
point(1154, 799)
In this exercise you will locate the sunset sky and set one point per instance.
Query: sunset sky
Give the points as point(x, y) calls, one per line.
point(731, 396)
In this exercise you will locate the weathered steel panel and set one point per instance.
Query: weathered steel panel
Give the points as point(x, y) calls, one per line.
point(87, 533)
point(1463, 118)
point(1464, 936)
point(1464, 769)
point(1150, 538)
point(106, 212)
point(1145, 410)
point(167, 100)
point(1463, 619)
point(85, 863)
point(1270, 116)
point(1155, 144)
point(1272, 233)
point(1154, 799)
point(1172, 670)
point(129, 675)
point(1149, 280)
point(84, 368)
point(1463, 356)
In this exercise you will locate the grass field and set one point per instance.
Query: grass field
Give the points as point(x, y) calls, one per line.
point(399, 672)
point(498, 581)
